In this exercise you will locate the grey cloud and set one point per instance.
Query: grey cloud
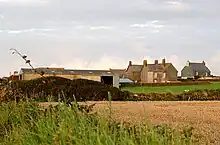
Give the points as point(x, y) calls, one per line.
point(127, 29)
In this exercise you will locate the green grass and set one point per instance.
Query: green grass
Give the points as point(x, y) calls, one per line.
point(171, 89)
point(25, 123)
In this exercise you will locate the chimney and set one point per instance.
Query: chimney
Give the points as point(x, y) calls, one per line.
point(145, 63)
point(15, 73)
point(164, 62)
point(156, 62)
point(130, 63)
point(188, 63)
point(203, 62)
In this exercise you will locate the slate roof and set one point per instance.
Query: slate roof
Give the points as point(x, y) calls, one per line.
point(136, 68)
point(154, 67)
point(199, 67)
point(68, 71)
point(151, 67)
point(118, 71)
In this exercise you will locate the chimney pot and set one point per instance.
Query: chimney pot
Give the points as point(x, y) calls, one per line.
point(15, 73)
point(156, 62)
point(130, 63)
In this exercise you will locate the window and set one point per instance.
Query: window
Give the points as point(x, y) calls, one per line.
point(155, 75)
point(206, 74)
point(164, 75)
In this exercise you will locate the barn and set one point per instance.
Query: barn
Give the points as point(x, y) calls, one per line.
point(105, 76)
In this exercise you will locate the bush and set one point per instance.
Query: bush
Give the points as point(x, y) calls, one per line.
point(57, 88)
point(197, 95)
point(183, 83)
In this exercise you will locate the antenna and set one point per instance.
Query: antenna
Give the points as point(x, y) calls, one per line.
point(27, 61)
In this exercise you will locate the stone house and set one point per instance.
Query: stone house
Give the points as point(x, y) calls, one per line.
point(193, 70)
point(152, 73)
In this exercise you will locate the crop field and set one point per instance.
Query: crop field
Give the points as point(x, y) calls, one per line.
point(173, 122)
point(202, 116)
point(26, 123)
point(171, 89)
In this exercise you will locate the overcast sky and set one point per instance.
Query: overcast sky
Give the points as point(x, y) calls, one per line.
point(101, 34)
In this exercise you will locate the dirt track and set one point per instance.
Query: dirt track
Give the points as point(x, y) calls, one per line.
point(203, 116)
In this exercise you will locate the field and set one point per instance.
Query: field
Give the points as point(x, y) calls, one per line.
point(171, 89)
point(117, 122)
point(26, 123)
point(203, 116)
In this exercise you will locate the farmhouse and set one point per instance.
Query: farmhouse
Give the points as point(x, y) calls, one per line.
point(105, 76)
point(151, 73)
point(193, 70)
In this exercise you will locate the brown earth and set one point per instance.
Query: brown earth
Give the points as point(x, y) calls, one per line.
point(203, 116)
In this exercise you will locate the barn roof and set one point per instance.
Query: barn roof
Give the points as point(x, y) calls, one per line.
point(118, 71)
point(67, 71)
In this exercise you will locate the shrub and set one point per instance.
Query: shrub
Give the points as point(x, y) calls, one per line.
point(184, 83)
point(60, 88)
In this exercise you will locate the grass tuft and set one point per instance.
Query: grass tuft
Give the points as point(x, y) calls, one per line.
point(26, 123)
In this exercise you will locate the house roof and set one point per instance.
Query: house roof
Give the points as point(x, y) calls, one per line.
point(136, 68)
point(68, 71)
point(151, 67)
point(154, 67)
point(199, 67)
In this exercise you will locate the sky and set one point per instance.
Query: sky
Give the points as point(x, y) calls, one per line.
point(100, 34)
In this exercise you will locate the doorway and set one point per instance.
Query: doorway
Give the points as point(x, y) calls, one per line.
point(107, 80)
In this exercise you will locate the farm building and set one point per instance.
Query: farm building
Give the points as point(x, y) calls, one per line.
point(119, 72)
point(193, 70)
point(14, 76)
point(151, 73)
point(105, 76)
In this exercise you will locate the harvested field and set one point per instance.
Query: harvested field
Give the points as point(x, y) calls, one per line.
point(203, 116)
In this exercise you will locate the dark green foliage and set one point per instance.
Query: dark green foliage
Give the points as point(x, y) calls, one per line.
point(62, 89)
point(197, 95)
point(182, 83)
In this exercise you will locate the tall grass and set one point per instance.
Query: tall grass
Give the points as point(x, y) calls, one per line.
point(25, 123)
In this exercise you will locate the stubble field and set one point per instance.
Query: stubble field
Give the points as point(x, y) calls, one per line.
point(204, 117)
